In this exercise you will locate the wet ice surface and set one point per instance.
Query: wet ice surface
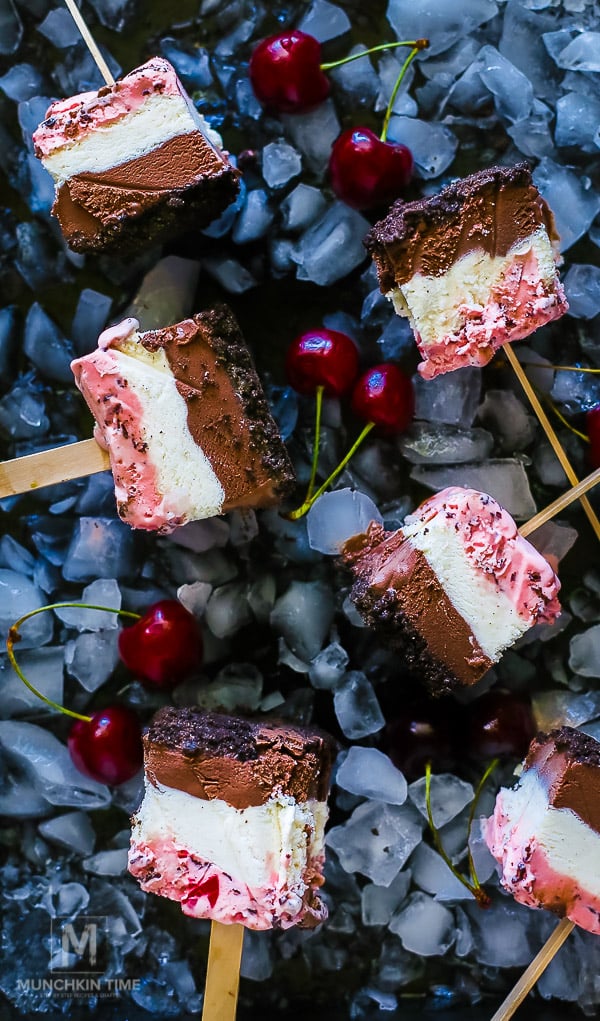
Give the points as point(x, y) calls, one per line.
point(500, 81)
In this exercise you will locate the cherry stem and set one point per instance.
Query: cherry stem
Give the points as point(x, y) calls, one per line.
point(562, 368)
point(473, 887)
point(561, 418)
point(420, 44)
point(317, 441)
point(473, 874)
point(305, 507)
point(14, 636)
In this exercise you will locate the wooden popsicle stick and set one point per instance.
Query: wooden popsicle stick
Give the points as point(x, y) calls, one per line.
point(536, 968)
point(554, 440)
point(47, 467)
point(560, 503)
point(223, 975)
point(90, 42)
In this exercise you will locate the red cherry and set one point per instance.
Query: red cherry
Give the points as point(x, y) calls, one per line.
point(420, 734)
point(500, 724)
point(285, 72)
point(108, 747)
point(592, 421)
point(366, 172)
point(324, 358)
point(164, 645)
point(384, 395)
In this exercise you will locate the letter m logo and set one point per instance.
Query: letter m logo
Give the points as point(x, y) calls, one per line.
point(78, 944)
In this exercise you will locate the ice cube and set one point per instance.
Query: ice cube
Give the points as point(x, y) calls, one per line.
point(424, 926)
point(443, 23)
point(577, 391)
point(371, 774)
point(433, 145)
point(432, 875)
point(507, 420)
point(11, 29)
point(324, 21)
point(92, 658)
point(96, 541)
point(257, 956)
point(18, 595)
point(328, 667)
point(280, 162)
point(303, 616)
point(582, 287)
point(520, 43)
point(227, 609)
point(378, 903)
point(554, 709)
point(504, 479)
point(584, 652)
point(72, 830)
point(60, 29)
point(426, 443)
point(449, 795)
point(337, 516)
point(21, 82)
point(48, 765)
point(512, 91)
point(332, 247)
point(114, 13)
point(390, 65)
point(501, 933)
point(356, 706)
point(376, 840)
point(230, 273)
point(93, 309)
point(107, 863)
point(302, 207)
point(238, 687)
point(192, 67)
point(577, 119)
point(582, 53)
point(451, 399)
point(43, 668)
point(570, 196)
point(314, 133)
point(46, 346)
point(102, 592)
point(254, 219)
point(357, 79)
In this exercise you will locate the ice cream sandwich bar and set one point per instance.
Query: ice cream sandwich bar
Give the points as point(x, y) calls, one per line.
point(134, 162)
point(473, 267)
point(184, 419)
point(453, 588)
point(545, 832)
point(232, 820)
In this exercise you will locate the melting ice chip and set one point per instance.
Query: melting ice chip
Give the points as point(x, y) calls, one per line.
point(336, 516)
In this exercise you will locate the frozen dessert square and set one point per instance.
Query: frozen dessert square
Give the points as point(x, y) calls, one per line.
point(183, 416)
point(473, 267)
point(453, 588)
point(134, 162)
point(232, 820)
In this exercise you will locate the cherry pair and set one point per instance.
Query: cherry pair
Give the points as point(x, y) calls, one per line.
point(161, 648)
point(287, 76)
point(325, 363)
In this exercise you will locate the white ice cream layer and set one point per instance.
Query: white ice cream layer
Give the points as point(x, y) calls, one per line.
point(262, 846)
point(489, 612)
point(571, 848)
point(156, 121)
point(184, 472)
point(433, 303)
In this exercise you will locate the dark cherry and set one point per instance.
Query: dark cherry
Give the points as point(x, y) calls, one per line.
point(285, 72)
point(500, 725)
point(108, 747)
point(384, 395)
point(366, 172)
point(324, 358)
point(163, 646)
point(592, 421)
point(420, 734)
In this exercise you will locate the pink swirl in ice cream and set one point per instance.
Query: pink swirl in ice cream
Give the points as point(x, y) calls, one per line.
point(118, 332)
point(70, 119)
point(494, 547)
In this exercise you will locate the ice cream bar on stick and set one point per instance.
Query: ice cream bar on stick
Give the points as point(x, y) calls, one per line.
point(133, 163)
point(181, 416)
point(475, 268)
point(545, 835)
point(453, 588)
point(232, 827)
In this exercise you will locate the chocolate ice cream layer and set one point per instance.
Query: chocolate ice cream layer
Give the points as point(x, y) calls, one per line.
point(182, 184)
point(410, 610)
point(567, 763)
point(490, 210)
point(242, 762)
